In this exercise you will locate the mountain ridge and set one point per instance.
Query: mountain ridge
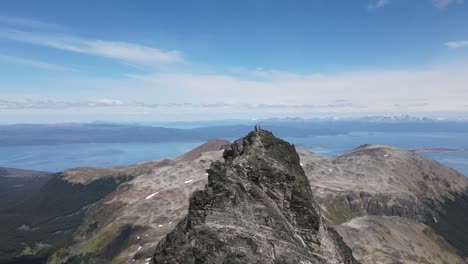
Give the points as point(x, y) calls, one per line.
point(126, 225)
point(256, 208)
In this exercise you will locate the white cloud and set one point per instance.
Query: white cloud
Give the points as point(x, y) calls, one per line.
point(36, 63)
point(440, 88)
point(378, 4)
point(106, 102)
point(457, 44)
point(188, 96)
point(123, 51)
point(43, 103)
point(444, 3)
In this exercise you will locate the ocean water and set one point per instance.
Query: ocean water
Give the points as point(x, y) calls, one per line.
point(56, 158)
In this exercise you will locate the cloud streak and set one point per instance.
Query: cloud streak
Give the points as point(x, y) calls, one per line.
point(457, 44)
point(36, 63)
point(123, 51)
point(441, 4)
point(28, 23)
point(35, 103)
point(378, 4)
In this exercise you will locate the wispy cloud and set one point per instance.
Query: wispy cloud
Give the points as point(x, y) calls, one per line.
point(181, 96)
point(457, 44)
point(376, 4)
point(123, 51)
point(36, 63)
point(441, 4)
point(28, 23)
point(51, 35)
point(444, 3)
point(41, 103)
point(44, 103)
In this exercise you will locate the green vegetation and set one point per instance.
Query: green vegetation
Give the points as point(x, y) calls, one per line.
point(92, 227)
point(452, 223)
point(99, 240)
point(49, 216)
point(103, 247)
point(16, 189)
point(336, 214)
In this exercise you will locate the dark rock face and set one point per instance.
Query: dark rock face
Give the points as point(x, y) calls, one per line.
point(256, 208)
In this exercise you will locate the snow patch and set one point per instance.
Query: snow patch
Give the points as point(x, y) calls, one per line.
point(189, 181)
point(151, 195)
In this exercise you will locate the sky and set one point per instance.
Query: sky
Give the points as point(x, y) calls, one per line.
point(151, 61)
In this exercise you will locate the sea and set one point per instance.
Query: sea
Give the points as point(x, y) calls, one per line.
point(56, 158)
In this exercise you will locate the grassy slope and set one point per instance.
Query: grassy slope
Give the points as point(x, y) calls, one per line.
point(452, 224)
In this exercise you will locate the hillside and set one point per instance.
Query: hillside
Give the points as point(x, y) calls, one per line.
point(391, 239)
point(16, 185)
point(382, 180)
point(45, 218)
point(126, 226)
point(133, 208)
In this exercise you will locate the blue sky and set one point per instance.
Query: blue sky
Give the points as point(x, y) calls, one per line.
point(74, 61)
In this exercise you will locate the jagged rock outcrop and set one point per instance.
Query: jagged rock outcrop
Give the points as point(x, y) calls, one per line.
point(256, 208)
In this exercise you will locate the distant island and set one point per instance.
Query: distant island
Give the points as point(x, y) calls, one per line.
point(438, 150)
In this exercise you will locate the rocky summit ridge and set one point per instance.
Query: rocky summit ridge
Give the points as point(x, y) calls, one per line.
point(257, 207)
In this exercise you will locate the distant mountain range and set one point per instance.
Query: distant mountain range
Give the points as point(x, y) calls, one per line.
point(37, 134)
point(376, 118)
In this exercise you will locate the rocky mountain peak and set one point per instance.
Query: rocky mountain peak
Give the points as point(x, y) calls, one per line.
point(256, 208)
